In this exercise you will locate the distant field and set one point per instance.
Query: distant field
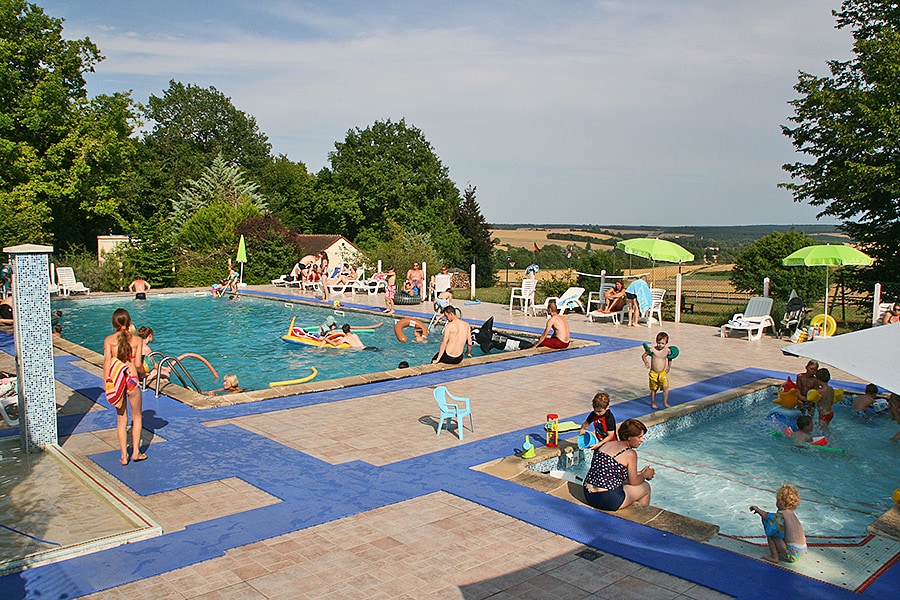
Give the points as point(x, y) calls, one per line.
point(524, 238)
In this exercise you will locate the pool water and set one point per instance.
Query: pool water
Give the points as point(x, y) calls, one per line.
point(713, 464)
point(243, 337)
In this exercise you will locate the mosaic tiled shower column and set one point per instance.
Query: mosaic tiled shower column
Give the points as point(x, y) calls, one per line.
point(34, 345)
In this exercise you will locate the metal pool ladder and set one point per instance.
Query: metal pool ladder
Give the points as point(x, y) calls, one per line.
point(175, 366)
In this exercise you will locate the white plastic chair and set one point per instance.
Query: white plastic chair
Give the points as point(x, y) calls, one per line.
point(525, 295)
point(68, 282)
point(754, 320)
point(656, 307)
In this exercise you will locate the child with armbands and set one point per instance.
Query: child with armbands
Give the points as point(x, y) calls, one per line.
point(784, 533)
point(863, 404)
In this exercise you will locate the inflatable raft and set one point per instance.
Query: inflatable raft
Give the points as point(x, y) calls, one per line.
point(298, 335)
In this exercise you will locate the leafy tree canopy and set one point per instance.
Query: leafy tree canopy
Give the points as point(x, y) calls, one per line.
point(289, 190)
point(63, 156)
point(847, 123)
point(389, 173)
point(219, 183)
point(190, 127)
point(763, 259)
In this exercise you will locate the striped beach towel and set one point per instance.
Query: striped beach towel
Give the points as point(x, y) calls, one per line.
point(116, 381)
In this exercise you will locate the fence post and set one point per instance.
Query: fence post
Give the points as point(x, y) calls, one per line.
point(766, 287)
point(602, 280)
point(472, 282)
point(876, 302)
point(678, 298)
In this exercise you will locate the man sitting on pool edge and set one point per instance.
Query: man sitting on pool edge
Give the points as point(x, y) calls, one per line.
point(457, 338)
point(556, 333)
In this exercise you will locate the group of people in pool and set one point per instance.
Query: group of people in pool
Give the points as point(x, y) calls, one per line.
point(816, 396)
point(614, 481)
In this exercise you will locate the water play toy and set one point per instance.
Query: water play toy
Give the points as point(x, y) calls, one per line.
point(565, 426)
point(673, 351)
point(830, 323)
point(788, 396)
point(527, 448)
point(819, 443)
point(298, 335)
point(785, 417)
point(815, 396)
point(552, 428)
point(309, 377)
point(586, 440)
point(897, 496)
point(486, 338)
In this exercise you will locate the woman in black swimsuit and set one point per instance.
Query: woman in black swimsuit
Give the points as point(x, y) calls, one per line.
point(613, 480)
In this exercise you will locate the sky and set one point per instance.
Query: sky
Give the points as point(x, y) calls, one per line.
point(609, 112)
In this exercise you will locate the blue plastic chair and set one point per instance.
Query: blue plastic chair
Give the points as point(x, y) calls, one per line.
point(453, 410)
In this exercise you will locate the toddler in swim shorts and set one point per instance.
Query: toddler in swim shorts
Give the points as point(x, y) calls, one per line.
point(784, 533)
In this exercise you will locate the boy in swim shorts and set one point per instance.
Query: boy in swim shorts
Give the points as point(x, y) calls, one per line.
point(785, 535)
point(657, 360)
point(862, 404)
point(826, 400)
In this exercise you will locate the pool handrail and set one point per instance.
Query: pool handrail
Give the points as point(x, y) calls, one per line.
point(173, 362)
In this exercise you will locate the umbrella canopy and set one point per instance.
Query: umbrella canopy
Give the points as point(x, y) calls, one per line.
point(827, 255)
point(853, 353)
point(242, 256)
point(655, 249)
point(242, 251)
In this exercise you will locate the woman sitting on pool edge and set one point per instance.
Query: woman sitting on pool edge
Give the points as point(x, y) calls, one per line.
point(613, 480)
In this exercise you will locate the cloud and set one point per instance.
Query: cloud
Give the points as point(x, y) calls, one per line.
point(649, 111)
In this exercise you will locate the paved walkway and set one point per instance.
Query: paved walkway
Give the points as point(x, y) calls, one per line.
point(349, 493)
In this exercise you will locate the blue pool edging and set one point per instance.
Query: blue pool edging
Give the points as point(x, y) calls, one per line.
point(195, 453)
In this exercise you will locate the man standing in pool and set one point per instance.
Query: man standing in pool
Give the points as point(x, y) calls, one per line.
point(457, 338)
point(139, 288)
point(807, 381)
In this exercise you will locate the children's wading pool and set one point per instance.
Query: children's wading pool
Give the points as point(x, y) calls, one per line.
point(713, 464)
point(244, 337)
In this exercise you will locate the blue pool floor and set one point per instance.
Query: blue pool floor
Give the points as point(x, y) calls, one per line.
point(313, 492)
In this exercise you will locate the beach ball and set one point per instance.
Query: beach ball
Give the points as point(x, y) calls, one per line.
point(897, 496)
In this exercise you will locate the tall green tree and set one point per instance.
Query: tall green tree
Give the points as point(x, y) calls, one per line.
point(389, 172)
point(189, 127)
point(219, 183)
point(63, 157)
point(763, 259)
point(289, 190)
point(847, 123)
point(478, 245)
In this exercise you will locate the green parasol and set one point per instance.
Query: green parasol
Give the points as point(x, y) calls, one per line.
point(826, 255)
point(242, 256)
point(655, 249)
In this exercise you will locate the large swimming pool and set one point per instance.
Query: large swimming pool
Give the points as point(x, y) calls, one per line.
point(713, 464)
point(242, 337)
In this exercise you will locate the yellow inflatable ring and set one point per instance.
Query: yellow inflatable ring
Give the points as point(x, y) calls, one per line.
point(830, 323)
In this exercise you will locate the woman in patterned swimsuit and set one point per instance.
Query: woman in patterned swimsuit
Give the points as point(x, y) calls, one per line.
point(613, 480)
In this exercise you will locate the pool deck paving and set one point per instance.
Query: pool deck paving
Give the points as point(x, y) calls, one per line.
point(349, 493)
